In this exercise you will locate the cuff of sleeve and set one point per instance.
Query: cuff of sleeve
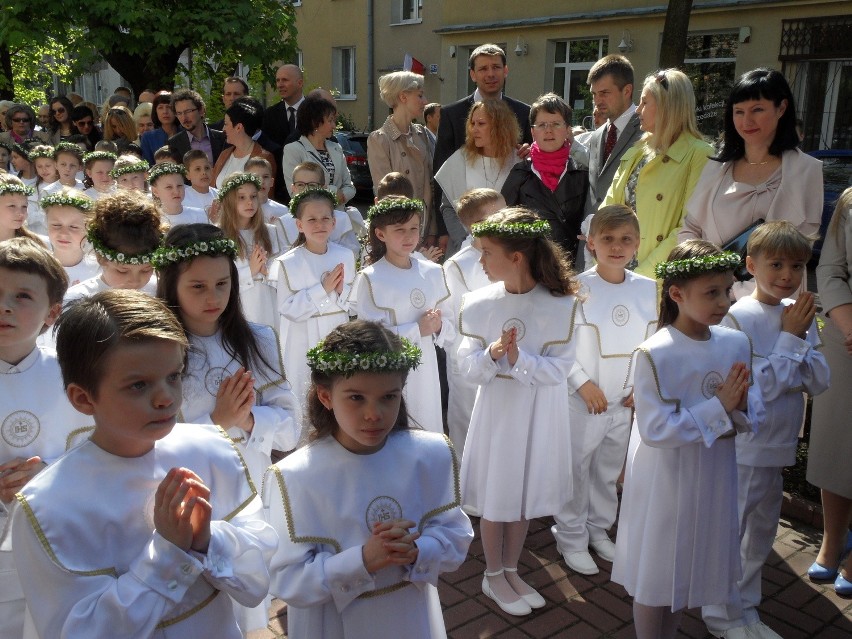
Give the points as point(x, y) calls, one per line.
point(788, 345)
point(263, 433)
point(216, 562)
point(521, 370)
point(576, 378)
point(348, 577)
point(166, 569)
point(712, 420)
point(426, 568)
point(741, 421)
point(321, 300)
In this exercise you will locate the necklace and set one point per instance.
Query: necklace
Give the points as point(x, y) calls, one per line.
point(756, 163)
point(491, 183)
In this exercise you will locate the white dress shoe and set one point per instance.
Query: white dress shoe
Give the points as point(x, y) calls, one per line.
point(517, 608)
point(604, 548)
point(581, 562)
point(534, 600)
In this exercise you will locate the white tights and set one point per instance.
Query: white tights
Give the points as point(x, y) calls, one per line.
point(655, 622)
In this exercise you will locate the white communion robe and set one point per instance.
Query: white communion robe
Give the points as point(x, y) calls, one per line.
point(398, 298)
point(678, 536)
point(36, 419)
point(257, 295)
point(517, 458)
point(612, 321)
point(324, 499)
point(92, 564)
point(89, 287)
point(306, 312)
point(83, 270)
point(464, 274)
point(343, 233)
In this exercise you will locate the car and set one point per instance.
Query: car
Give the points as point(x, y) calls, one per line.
point(836, 178)
point(354, 146)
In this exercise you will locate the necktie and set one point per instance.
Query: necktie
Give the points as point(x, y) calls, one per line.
point(291, 119)
point(611, 138)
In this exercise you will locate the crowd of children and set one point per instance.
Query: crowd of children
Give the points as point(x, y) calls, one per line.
point(186, 354)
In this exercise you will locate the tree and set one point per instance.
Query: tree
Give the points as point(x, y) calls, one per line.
point(675, 30)
point(144, 39)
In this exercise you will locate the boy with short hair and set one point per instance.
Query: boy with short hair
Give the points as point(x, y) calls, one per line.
point(784, 339)
point(135, 532)
point(272, 210)
point(394, 183)
point(35, 416)
point(618, 313)
point(199, 195)
point(464, 274)
point(165, 154)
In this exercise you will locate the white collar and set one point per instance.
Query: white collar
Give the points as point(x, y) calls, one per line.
point(24, 365)
point(477, 96)
point(622, 120)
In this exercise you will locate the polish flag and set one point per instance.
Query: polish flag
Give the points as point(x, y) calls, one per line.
point(413, 64)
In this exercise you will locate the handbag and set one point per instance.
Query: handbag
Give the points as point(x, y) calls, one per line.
point(740, 245)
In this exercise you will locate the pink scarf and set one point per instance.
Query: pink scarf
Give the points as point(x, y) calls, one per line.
point(550, 165)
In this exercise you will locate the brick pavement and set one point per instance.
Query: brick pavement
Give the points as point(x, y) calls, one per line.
point(581, 607)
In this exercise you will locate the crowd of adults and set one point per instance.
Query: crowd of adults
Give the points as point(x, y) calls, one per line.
point(650, 156)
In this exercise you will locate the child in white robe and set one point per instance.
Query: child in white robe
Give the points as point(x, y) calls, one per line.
point(97, 166)
point(618, 312)
point(368, 512)
point(258, 243)
point(314, 279)
point(784, 337)
point(167, 188)
point(199, 194)
point(130, 173)
point(518, 346)
point(677, 543)
point(138, 531)
point(404, 293)
point(67, 213)
point(35, 414)
point(234, 377)
point(464, 274)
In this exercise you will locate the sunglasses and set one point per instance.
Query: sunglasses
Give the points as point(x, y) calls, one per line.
point(58, 111)
point(20, 120)
point(662, 80)
point(83, 123)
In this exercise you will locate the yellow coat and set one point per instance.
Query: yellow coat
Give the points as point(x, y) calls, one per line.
point(664, 187)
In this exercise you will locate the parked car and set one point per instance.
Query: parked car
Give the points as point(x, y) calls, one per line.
point(355, 149)
point(836, 178)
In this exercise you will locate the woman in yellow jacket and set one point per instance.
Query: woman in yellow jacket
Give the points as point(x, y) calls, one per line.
point(657, 175)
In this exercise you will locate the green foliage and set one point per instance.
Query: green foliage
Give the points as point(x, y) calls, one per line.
point(795, 477)
point(345, 122)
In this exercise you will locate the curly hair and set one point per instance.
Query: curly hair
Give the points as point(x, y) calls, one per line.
point(128, 221)
point(505, 132)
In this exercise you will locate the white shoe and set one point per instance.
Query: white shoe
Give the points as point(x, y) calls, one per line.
point(581, 562)
point(519, 608)
point(604, 548)
point(739, 632)
point(760, 630)
point(534, 600)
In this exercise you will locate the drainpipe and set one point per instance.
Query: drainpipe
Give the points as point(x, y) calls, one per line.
point(370, 66)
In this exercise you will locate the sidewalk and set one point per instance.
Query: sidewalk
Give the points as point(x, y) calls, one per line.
point(588, 607)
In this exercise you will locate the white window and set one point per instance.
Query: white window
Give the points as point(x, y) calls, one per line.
point(572, 61)
point(403, 11)
point(343, 72)
point(710, 62)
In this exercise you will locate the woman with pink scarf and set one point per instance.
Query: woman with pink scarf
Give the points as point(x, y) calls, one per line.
point(549, 181)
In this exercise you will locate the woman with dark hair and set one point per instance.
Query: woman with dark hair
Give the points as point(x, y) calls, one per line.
point(59, 122)
point(165, 125)
point(316, 120)
point(242, 120)
point(83, 119)
point(759, 174)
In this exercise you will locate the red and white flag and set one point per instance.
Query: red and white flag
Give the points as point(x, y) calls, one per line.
point(413, 64)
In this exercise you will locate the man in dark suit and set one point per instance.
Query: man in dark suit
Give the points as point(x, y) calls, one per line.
point(611, 83)
point(190, 111)
point(279, 121)
point(233, 89)
point(488, 70)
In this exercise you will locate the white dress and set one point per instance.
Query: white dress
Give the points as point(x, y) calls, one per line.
point(323, 500)
point(344, 233)
point(464, 274)
point(257, 296)
point(307, 312)
point(36, 419)
point(398, 298)
point(678, 536)
point(92, 564)
point(517, 457)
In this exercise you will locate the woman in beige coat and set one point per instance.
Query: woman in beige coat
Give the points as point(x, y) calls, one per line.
point(402, 146)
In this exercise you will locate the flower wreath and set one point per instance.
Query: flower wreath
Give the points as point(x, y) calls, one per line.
point(692, 266)
point(70, 147)
point(80, 202)
point(40, 151)
point(165, 168)
point(94, 156)
point(347, 364)
point(15, 187)
point(136, 167)
point(316, 190)
point(393, 204)
point(115, 256)
point(526, 230)
point(166, 255)
point(237, 180)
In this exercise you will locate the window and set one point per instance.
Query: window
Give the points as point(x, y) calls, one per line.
point(343, 71)
point(572, 61)
point(403, 11)
point(710, 62)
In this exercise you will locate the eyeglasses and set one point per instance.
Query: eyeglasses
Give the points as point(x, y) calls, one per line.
point(662, 80)
point(20, 120)
point(80, 124)
point(58, 111)
point(180, 114)
point(549, 126)
point(307, 185)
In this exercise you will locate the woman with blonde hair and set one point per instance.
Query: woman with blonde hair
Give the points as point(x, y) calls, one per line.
point(402, 146)
point(120, 128)
point(485, 160)
point(656, 176)
point(142, 118)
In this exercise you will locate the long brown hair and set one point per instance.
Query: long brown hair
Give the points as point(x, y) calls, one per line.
point(231, 229)
point(357, 336)
point(376, 249)
point(685, 250)
point(505, 132)
point(549, 264)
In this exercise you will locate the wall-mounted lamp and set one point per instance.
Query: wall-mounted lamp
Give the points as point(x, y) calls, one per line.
point(745, 35)
point(626, 44)
point(521, 48)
